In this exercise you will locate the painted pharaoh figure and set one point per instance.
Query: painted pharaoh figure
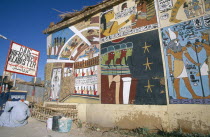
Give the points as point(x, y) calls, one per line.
point(207, 5)
point(187, 52)
point(55, 84)
point(146, 13)
point(192, 8)
point(179, 69)
point(109, 27)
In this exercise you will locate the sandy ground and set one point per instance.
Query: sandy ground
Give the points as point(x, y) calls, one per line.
point(36, 128)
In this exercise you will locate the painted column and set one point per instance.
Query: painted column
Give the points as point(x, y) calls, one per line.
point(126, 89)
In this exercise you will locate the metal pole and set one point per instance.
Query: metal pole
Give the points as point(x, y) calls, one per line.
point(33, 93)
point(15, 76)
point(199, 71)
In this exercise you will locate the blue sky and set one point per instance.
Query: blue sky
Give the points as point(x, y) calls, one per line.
point(23, 21)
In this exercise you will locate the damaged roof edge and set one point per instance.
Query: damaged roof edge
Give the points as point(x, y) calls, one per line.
point(82, 14)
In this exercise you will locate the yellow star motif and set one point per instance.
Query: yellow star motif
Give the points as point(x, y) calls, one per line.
point(147, 65)
point(146, 48)
point(149, 87)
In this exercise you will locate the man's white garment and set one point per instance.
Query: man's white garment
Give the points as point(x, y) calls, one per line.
point(17, 116)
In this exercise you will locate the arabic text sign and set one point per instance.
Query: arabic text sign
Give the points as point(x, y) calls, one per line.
point(22, 60)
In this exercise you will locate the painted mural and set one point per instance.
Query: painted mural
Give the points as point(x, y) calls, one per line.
point(186, 50)
point(86, 79)
point(207, 6)
point(175, 11)
point(75, 43)
point(56, 41)
point(132, 70)
point(77, 47)
point(68, 70)
point(127, 18)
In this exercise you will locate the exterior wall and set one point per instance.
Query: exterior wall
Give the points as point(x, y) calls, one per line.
point(127, 116)
point(82, 112)
point(188, 118)
point(154, 59)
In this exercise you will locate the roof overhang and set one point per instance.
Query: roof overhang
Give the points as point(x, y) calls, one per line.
point(87, 12)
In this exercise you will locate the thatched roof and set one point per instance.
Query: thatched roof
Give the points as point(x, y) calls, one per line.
point(71, 18)
point(69, 15)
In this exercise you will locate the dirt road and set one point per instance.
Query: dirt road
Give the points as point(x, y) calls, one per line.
point(35, 128)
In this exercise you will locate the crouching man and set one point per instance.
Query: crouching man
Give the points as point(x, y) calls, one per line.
point(15, 114)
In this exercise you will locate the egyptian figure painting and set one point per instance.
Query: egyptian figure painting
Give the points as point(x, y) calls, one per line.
point(55, 84)
point(186, 50)
point(207, 6)
point(132, 70)
point(175, 11)
point(127, 18)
